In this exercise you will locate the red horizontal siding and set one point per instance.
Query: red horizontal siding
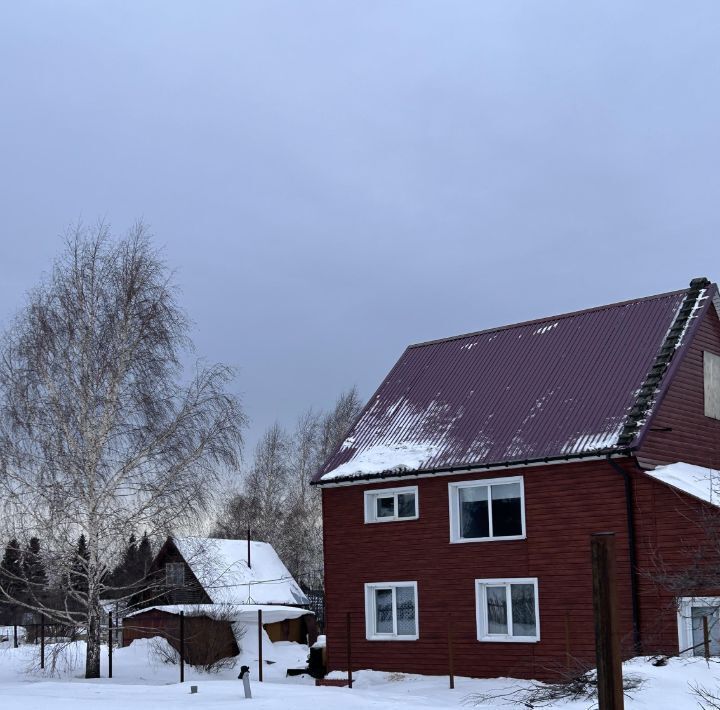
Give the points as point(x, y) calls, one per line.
point(680, 431)
point(674, 531)
point(564, 504)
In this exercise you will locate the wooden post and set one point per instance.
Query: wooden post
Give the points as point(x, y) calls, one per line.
point(260, 660)
point(110, 642)
point(42, 641)
point(349, 649)
point(706, 638)
point(15, 643)
point(451, 664)
point(607, 642)
point(182, 646)
point(248, 539)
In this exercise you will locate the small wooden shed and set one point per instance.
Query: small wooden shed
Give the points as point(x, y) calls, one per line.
point(220, 585)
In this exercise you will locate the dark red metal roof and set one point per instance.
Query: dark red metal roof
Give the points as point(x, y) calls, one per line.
point(557, 387)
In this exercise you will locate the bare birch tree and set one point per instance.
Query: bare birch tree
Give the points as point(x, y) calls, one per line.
point(98, 435)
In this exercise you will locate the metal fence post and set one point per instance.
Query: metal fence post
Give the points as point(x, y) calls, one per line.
point(568, 655)
point(349, 649)
point(110, 644)
point(260, 658)
point(15, 641)
point(182, 646)
point(42, 641)
point(706, 638)
point(451, 664)
point(607, 642)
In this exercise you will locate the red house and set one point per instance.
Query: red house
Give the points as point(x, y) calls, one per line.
point(467, 490)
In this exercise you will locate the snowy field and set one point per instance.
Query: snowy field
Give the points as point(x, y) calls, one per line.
point(142, 682)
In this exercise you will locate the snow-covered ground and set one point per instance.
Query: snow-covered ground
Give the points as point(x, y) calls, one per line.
point(141, 682)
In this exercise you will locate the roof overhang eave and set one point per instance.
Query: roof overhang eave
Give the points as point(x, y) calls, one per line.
point(469, 468)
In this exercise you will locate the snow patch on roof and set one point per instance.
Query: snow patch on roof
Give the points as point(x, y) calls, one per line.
point(594, 442)
point(545, 328)
point(693, 314)
point(271, 613)
point(383, 458)
point(221, 567)
point(697, 481)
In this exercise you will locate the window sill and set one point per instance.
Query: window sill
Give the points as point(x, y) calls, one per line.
point(509, 639)
point(507, 538)
point(392, 520)
point(391, 637)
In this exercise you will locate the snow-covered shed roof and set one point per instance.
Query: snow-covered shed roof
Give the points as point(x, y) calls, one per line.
point(573, 385)
point(247, 613)
point(221, 567)
point(697, 481)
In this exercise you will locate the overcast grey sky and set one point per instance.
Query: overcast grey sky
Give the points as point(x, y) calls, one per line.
point(335, 180)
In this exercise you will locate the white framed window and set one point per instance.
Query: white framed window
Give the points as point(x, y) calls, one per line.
point(691, 634)
point(711, 368)
point(391, 611)
point(174, 575)
point(487, 510)
point(388, 504)
point(508, 610)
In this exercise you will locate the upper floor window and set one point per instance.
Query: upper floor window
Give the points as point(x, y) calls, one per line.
point(174, 575)
point(711, 366)
point(487, 510)
point(391, 611)
point(391, 504)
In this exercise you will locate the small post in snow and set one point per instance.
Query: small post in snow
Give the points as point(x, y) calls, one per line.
point(110, 642)
point(248, 540)
point(42, 641)
point(245, 678)
point(182, 646)
point(607, 641)
point(260, 661)
point(349, 649)
point(15, 643)
point(451, 665)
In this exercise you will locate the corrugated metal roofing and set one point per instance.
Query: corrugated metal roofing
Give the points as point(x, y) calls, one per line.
point(560, 386)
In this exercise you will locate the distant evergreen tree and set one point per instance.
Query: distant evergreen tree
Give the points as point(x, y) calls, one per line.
point(144, 557)
point(11, 572)
point(11, 565)
point(129, 563)
point(134, 567)
point(79, 566)
point(33, 570)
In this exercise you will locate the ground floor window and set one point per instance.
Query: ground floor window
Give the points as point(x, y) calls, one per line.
point(507, 610)
point(391, 611)
point(691, 633)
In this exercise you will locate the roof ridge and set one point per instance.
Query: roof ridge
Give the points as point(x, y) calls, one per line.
point(654, 382)
point(544, 319)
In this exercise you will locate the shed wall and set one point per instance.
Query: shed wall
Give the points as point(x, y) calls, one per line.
point(206, 640)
